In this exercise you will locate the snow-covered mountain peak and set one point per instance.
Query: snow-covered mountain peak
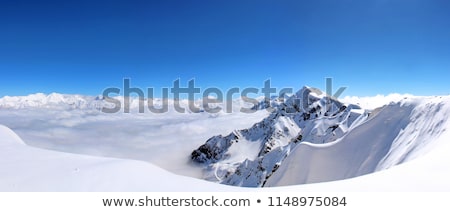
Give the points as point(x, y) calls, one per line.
point(248, 157)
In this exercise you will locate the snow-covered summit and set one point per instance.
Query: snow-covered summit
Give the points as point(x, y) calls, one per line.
point(249, 157)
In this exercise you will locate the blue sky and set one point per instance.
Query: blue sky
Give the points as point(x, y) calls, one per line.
point(83, 47)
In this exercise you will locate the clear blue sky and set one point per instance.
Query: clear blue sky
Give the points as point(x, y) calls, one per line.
point(373, 47)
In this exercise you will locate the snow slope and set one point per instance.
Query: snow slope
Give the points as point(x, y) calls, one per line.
point(428, 173)
point(394, 134)
point(25, 168)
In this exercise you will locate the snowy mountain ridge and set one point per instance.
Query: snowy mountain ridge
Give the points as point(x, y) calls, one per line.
point(53, 100)
point(315, 138)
